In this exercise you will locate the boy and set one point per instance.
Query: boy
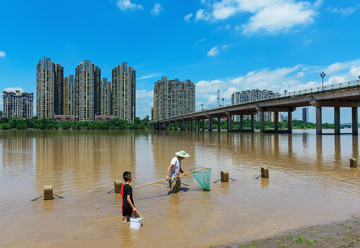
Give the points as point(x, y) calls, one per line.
point(128, 207)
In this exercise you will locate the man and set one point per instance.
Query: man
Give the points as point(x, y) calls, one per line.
point(174, 170)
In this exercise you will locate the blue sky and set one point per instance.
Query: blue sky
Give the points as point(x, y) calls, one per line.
point(230, 45)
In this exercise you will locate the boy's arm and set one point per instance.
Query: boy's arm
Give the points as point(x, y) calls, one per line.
point(130, 203)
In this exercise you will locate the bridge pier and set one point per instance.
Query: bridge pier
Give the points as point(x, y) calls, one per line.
point(252, 123)
point(262, 119)
point(318, 120)
point(182, 125)
point(219, 124)
point(229, 128)
point(210, 125)
point(241, 122)
point(337, 120)
point(290, 120)
point(354, 125)
point(276, 121)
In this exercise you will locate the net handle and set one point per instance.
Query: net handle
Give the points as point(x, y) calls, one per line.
point(146, 184)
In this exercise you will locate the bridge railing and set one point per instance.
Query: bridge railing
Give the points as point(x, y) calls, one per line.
point(319, 89)
point(290, 94)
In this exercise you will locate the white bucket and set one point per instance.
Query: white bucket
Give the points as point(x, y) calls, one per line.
point(135, 223)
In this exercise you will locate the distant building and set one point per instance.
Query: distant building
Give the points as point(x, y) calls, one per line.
point(105, 97)
point(49, 83)
point(124, 92)
point(254, 95)
point(18, 105)
point(172, 98)
point(69, 95)
point(305, 114)
point(87, 88)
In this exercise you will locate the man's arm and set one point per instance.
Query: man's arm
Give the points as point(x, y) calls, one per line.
point(168, 171)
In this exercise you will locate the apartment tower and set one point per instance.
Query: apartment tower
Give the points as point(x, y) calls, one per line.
point(87, 91)
point(69, 95)
point(105, 97)
point(49, 83)
point(172, 98)
point(123, 92)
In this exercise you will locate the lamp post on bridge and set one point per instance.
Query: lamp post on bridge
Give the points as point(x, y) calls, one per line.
point(322, 75)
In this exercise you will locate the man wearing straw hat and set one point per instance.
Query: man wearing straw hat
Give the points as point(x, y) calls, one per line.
point(174, 170)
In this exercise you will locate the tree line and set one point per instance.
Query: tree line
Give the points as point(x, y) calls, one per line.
point(47, 124)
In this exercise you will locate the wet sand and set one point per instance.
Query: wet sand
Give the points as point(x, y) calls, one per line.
point(334, 235)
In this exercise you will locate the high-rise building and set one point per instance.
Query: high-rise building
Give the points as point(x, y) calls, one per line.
point(305, 114)
point(59, 90)
point(124, 92)
point(172, 98)
point(254, 95)
point(18, 105)
point(49, 83)
point(105, 97)
point(87, 91)
point(69, 95)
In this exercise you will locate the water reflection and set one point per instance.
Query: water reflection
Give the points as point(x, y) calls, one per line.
point(79, 161)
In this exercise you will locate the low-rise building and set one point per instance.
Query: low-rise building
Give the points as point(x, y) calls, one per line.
point(18, 105)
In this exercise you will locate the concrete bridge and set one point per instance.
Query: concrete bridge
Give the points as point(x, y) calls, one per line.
point(337, 96)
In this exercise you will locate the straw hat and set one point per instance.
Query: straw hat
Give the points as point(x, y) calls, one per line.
point(182, 154)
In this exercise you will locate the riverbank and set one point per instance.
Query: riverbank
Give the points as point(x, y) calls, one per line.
point(337, 234)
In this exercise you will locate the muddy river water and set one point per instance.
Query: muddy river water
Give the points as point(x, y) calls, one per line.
point(310, 183)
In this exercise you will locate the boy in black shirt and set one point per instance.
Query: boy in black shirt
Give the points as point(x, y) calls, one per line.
point(128, 207)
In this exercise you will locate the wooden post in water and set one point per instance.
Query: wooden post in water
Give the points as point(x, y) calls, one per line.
point(353, 163)
point(264, 172)
point(48, 192)
point(117, 186)
point(224, 176)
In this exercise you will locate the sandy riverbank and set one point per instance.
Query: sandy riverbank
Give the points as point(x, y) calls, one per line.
point(338, 234)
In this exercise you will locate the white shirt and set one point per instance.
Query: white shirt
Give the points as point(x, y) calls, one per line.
point(175, 169)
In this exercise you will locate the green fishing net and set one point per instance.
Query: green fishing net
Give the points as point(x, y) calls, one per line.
point(202, 177)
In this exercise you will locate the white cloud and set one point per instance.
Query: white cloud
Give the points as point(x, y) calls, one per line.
point(280, 18)
point(188, 17)
point(13, 89)
point(202, 15)
point(266, 16)
point(2, 54)
point(149, 76)
point(128, 5)
point(345, 11)
point(156, 11)
point(355, 72)
point(213, 51)
point(216, 50)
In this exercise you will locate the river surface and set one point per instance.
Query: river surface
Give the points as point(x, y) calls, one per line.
point(310, 183)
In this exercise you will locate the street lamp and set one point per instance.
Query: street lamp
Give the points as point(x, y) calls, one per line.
point(202, 107)
point(322, 75)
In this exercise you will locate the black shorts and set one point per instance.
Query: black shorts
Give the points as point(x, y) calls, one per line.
point(127, 212)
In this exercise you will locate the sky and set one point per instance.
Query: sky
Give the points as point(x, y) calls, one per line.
point(225, 45)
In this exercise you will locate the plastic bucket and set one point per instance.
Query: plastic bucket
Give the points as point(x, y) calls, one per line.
point(135, 223)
